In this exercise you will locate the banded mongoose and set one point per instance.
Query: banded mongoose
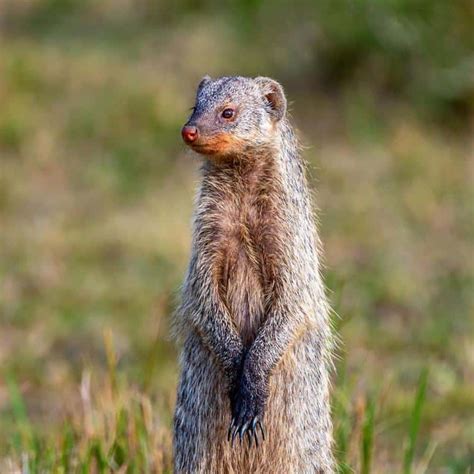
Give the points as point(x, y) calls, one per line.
point(253, 395)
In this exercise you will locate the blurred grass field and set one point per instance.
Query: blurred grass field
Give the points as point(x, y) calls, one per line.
point(96, 195)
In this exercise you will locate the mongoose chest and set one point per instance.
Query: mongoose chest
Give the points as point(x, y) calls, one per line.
point(244, 237)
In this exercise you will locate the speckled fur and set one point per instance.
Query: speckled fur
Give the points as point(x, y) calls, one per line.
point(253, 305)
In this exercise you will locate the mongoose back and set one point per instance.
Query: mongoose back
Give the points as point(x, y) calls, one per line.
point(253, 325)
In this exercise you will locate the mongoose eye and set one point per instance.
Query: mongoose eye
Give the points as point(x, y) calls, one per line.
point(228, 113)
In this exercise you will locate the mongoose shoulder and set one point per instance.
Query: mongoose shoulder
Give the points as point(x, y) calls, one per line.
point(253, 322)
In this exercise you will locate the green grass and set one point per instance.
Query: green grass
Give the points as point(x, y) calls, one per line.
point(113, 429)
point(117, 430)
point(95, 204)
point(368, 437)
point(415, 423)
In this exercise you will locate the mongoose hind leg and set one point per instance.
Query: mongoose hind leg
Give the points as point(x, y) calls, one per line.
point(202, 414)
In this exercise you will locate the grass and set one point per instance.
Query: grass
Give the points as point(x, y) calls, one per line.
point(368, 437)
point(114, 428)
point(415, 423)
point(95, 205)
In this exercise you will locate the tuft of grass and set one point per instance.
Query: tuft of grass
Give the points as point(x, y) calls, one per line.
point(114, 428)
point(367, 443)
point(415, 421)
point(23, 434)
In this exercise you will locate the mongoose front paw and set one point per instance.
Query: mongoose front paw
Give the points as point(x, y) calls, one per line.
point(248, 403)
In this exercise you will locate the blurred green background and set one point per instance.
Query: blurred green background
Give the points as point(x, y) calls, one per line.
point(96, 194)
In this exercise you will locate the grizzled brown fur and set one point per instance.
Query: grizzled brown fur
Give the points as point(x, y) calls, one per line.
point(253, 323)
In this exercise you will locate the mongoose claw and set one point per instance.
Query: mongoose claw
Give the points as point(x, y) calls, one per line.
point(229, 433)
point(254, 423)
point(234, 435)
point(252, 432)
point(241, 428)
point(248, 403)
point(242, 431)
point(256, 438)
point(250, 436)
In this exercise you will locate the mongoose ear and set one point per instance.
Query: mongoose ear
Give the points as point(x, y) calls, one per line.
point(203, 82)
point(274, 95)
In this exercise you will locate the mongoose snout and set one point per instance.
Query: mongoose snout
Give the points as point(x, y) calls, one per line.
point(189, 133)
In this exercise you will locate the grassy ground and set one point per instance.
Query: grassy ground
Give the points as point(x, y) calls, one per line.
point(95, 203)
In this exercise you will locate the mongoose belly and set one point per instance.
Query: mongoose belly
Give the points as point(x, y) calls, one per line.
point(244, 295)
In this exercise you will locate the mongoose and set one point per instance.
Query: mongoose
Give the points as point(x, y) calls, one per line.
point(253, 395)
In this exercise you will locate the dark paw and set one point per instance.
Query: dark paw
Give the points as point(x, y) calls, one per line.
point(250, 429)
point(248, 403)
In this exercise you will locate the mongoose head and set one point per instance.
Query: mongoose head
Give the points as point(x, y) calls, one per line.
point(234, 116)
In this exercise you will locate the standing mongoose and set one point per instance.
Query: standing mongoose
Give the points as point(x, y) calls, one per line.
point(253, 324)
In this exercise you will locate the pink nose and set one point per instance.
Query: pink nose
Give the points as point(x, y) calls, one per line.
point(189, 133)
